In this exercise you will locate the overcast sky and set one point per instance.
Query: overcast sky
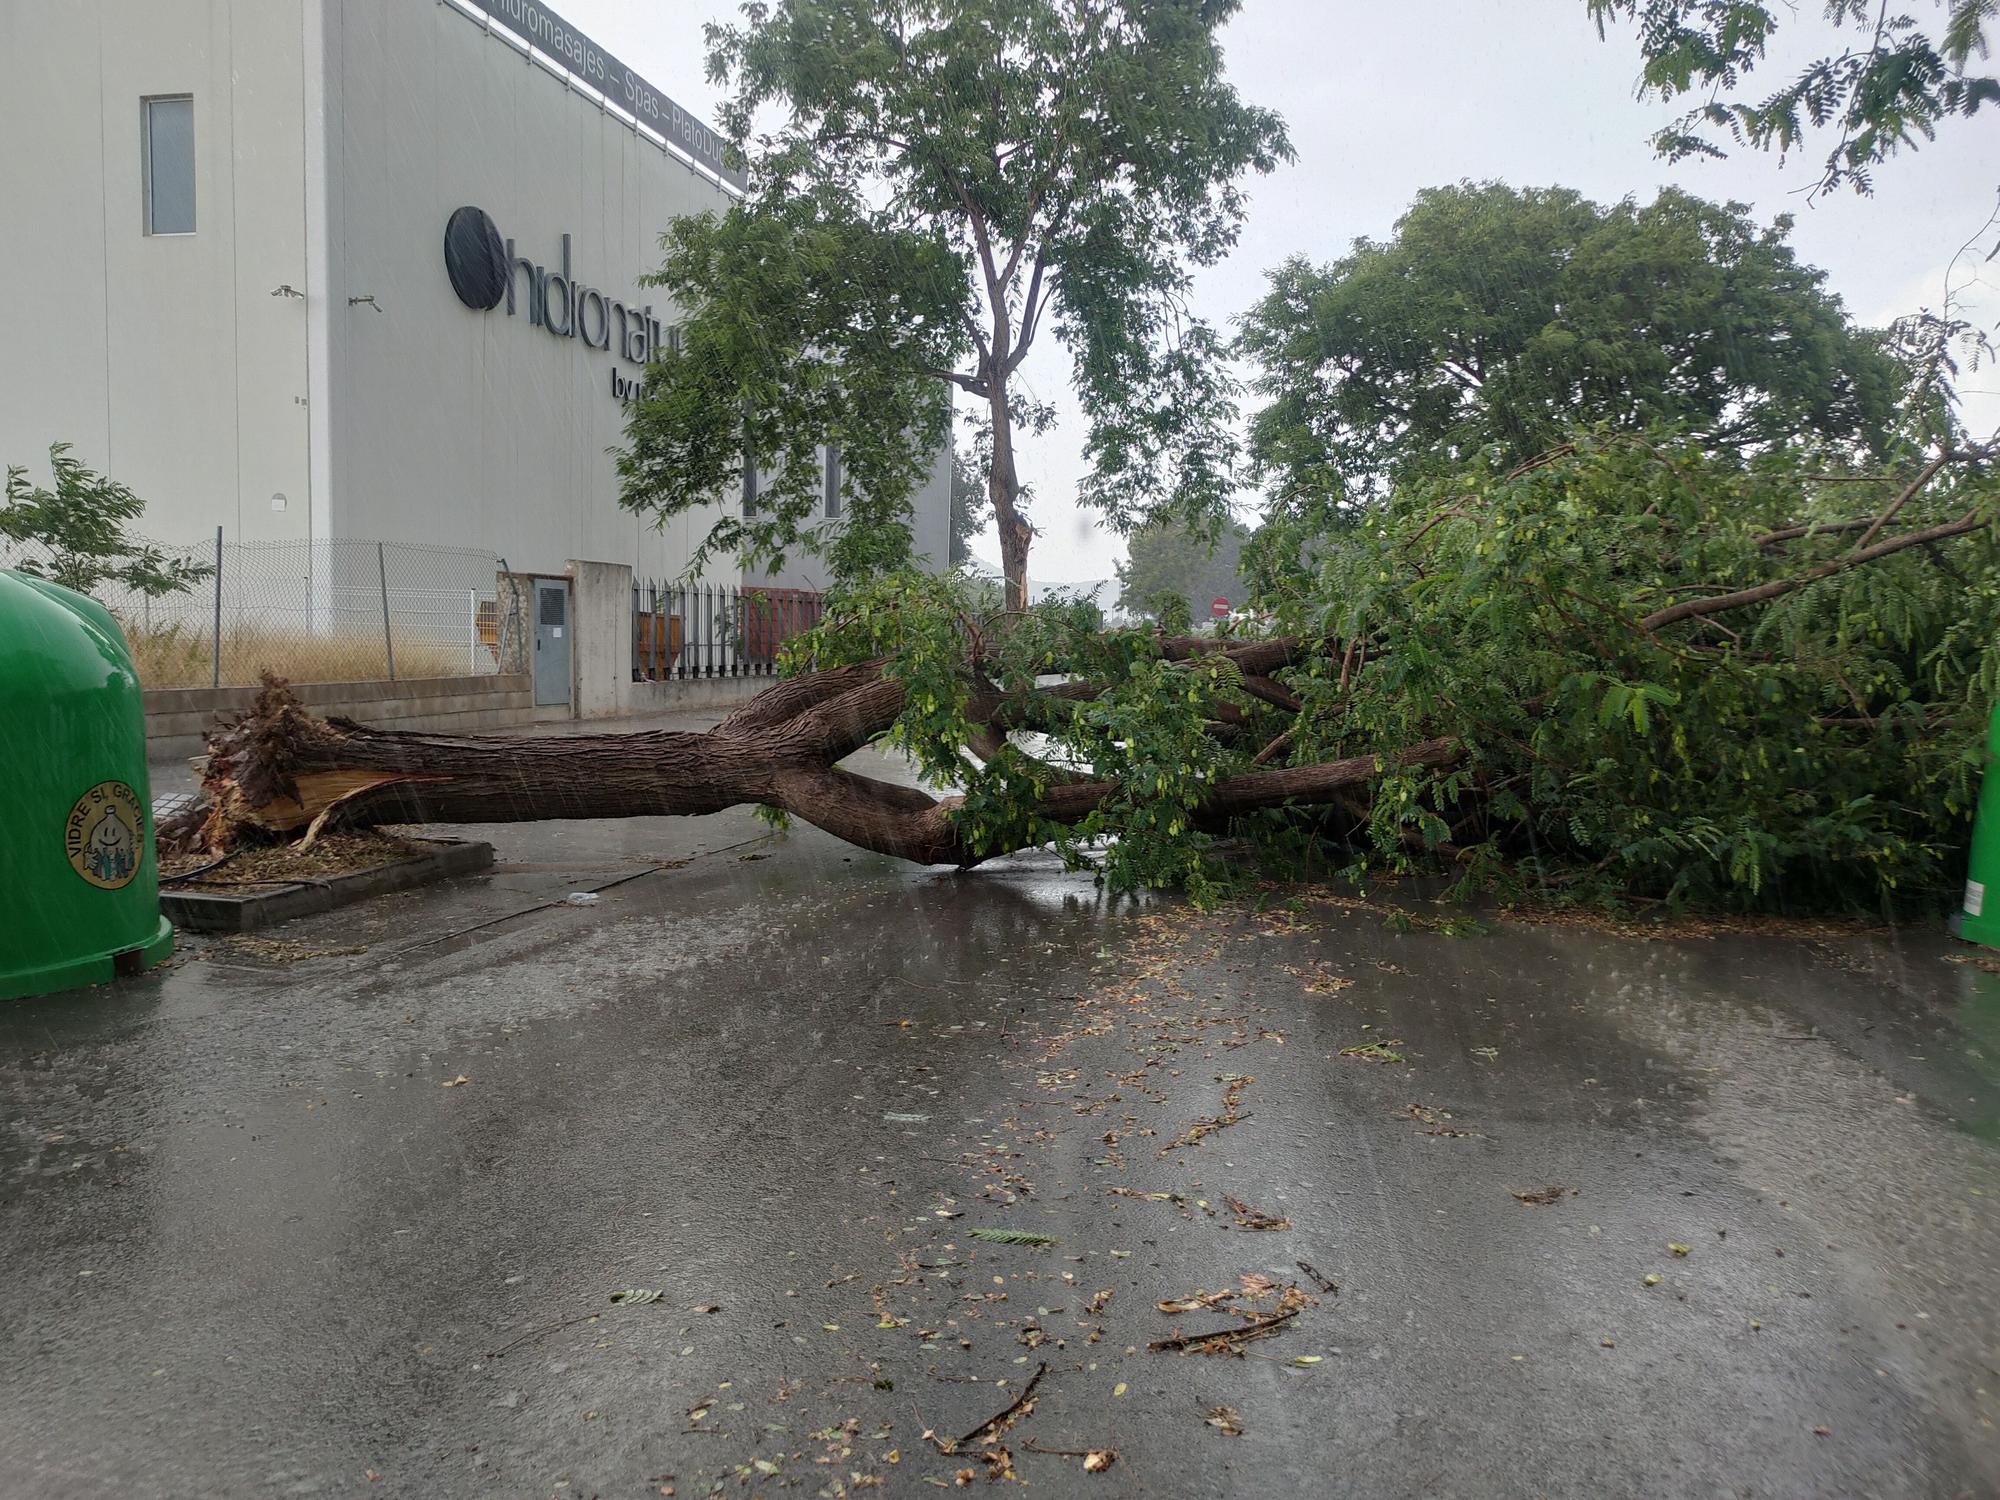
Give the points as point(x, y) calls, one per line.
point(1384, 99)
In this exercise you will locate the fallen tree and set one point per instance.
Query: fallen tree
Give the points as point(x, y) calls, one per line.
point(278, 771)
point(1624, 669)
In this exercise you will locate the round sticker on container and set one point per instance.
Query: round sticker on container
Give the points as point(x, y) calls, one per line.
point(106, 835)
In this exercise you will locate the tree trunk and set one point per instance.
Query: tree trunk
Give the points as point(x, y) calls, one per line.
point(1004, 486)
point(279, 771)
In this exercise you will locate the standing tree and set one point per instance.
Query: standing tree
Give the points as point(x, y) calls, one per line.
point(1166, 562)
point(75, 534)
point(1893, 83)
point(1498, 319)
point(942, 181)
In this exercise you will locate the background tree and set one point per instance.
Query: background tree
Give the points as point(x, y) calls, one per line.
point(1499, 318)
point(946, 181)
point(1166, 560)
point(969, 505)
point(1895, 81)
point(75, 534)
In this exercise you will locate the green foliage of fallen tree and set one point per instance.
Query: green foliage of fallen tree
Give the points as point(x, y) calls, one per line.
point(1675, 674)
point(1662, 673)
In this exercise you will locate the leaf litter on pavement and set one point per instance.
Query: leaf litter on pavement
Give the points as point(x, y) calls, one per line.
point(957, 1322)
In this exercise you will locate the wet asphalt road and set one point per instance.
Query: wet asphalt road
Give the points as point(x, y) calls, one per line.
point(257, 1240)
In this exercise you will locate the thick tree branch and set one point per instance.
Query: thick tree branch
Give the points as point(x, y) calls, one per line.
point(787, 699)
point(1273, 692)
point(1923, 478)
point(972, 384)
point(1689, 609)
point(1813, 528)
point(1030, 314)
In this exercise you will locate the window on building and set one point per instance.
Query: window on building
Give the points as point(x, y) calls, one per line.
point(749, 486)
point(832, 481)
point(168, 148)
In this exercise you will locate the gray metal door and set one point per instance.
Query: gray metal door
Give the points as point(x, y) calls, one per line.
point(552, 643)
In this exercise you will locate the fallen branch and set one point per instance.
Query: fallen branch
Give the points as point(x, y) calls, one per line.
point(1033, 1447)
point(1273, 692)
point(1002, 1420)
point(1263, 757)
point(1689, 609)
point(543, 1332)
point(1324, 1283)
point(1247, 1331)
point(1924, 476)
point(1811, 528)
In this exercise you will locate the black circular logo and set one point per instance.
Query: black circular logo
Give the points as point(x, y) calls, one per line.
point(475, 258)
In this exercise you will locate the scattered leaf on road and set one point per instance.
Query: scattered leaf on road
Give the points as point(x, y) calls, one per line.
point(1194, 1301)
point(1225, 1420)
point(1377, 1052)
point(1541, 1197)
point(1252, 1218)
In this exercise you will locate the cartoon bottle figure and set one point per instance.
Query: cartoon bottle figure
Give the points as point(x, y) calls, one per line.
point(109, 852)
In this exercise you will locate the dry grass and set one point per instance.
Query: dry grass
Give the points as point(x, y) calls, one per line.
point(174, 656)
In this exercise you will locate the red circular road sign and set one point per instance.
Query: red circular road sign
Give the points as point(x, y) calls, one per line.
point(1219, 608)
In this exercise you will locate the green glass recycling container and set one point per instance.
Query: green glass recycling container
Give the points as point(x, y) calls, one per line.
point(79, 879)
point(1978, 918)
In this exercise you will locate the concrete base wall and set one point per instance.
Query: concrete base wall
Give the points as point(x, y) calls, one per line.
point(177, 719)
point(686, 693)
point(601, 685)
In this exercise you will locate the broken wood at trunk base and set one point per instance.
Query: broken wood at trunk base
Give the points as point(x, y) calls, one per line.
point(279, 771)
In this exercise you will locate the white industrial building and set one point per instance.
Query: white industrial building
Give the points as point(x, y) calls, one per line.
point(225, 230)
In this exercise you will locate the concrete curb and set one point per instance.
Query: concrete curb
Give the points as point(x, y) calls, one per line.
point(207, 911)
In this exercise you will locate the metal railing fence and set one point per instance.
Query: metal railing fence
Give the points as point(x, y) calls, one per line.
point(682, 631)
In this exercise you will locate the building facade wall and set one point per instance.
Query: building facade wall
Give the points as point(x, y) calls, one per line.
point(299, 368)
point(930, 536)
point(456, 426)
point(163, 359)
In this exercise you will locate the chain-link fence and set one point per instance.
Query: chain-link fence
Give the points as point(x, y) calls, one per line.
point(327, 611)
